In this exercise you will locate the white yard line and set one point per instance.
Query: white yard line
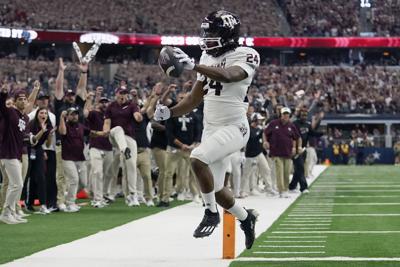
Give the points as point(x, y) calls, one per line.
point(336, 232)
point(288, 252)
point(297, 237)
point(303, 228)
point(353, 191)
point(355, 186)
point(365, 196)
point(354, 204)
point(317, 259)
point(295, 241)
point(348, 215)
point(289, 246)
point(300, 224)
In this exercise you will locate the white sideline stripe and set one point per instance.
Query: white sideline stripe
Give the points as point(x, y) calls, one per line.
point(295, 241)
point(288, 246)
point(337, 232)
point(347, 215)
point(356, 204)
point(300, 224)
point(317, 259)
point(297, 237)
point(288, 252)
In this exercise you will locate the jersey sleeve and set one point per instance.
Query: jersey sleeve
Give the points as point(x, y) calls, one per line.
point(246, 58)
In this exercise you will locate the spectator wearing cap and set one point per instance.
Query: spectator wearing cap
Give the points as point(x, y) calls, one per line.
point(100, 150)
point(42, 102)
point(255, 159)
point(72, 134)
point(25, 160)
point(62, 102)
point(282, 137)
point(119, 124)
point(16, 127)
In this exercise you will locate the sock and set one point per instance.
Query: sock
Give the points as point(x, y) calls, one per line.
point(238, 211)
point(209, 200)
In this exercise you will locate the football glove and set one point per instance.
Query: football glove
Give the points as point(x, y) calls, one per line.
point(162, 113)
point(188, 63)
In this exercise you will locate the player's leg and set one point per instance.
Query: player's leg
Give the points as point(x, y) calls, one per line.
point(131, 170)
point(117, 139)
point(96, 175)
point(61, 181)
point(4, 185)
point(144, 165)
point(265, 173)
point(172, 161)
point(72, 177)
point(13, 169)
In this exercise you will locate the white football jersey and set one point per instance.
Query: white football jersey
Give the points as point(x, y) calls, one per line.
point(226, 103)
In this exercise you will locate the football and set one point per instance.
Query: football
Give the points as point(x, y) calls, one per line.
point(169, 63)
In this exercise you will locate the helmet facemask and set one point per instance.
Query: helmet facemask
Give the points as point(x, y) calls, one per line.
point(218, 38)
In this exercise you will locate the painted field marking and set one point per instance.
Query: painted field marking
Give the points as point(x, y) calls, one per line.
point(356, 186)
point(365, 196)
point(355, 204)
point(348, 215)
point(296, 221)
point(288, 246)
point(305, 224)
point(295, 241)
point(297, 237)
point(361, 190)
point(318, 259)
point(337, 232)
point(302, 228)
point(288, 252)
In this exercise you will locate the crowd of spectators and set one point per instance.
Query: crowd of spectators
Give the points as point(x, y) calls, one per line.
point(359, 89)
point(259, 18)
point(385, 18)
point(162, 17)
point(323, 18)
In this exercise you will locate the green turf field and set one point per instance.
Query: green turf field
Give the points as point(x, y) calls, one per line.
point(352, 213)
point(45, 231)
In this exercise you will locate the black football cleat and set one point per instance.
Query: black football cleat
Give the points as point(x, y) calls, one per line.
point(207, 225)
point(127, 153)
point(248, 226)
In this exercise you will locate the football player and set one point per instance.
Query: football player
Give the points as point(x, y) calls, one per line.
point(224, 74)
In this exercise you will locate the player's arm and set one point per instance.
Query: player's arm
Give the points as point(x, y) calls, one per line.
point(59, 92)
point(107, 125)
point(229, 75)
point(32, 97)
point(81, 87)
point(88, 105)
point(62, 128)
point(190, 102)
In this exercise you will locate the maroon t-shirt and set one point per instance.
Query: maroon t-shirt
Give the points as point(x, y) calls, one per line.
point(122, 115)
point(95, 121)
point(280, 138)
point(72, 144)
point(15, 125)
